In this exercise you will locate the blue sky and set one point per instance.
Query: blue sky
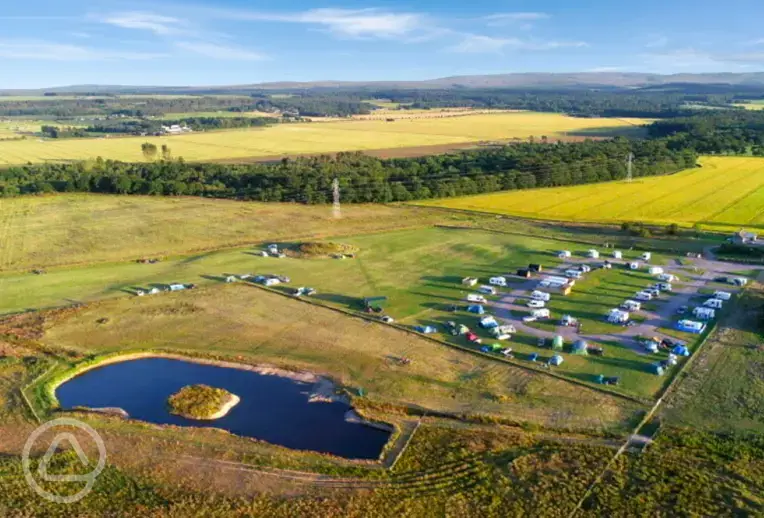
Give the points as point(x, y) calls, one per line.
point(205, 42)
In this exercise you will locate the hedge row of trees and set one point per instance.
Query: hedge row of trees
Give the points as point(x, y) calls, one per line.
point(362, 178)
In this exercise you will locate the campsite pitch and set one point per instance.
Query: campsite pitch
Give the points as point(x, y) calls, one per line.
point(725, 194)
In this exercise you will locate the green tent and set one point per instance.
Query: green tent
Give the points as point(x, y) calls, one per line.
point(558, 343)
point(580, 348)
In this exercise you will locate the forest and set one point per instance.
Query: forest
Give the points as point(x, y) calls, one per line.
point(362, 178)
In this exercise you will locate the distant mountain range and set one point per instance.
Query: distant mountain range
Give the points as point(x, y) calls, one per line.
point(615, 80)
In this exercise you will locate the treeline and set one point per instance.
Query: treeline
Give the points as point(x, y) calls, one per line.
point(154, 126)
point(715, 132)
point(362, 178)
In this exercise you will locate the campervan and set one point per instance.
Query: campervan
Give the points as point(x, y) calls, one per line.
point(497, 281)
point(536, 304)
point(541, 295)
point(573, 274)
point(540, 313)
point(479, 299)
point(722, 295)
point(714, 303)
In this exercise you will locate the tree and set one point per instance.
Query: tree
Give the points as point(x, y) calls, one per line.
point(166, 153)
point(672, 229)
point(149, 150)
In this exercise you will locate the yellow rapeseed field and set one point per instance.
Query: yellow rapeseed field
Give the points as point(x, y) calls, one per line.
point(725, 194)
point(318, 137)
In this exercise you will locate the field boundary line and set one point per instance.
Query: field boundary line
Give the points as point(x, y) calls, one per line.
point(35, 381)
point(632, 399)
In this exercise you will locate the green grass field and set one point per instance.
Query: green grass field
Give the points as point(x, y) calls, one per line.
point(757, 104)
point(724, 389)
point(317, 137)
point(44, 231)
point(245, 322)
point(418, 270)
point(727, 193)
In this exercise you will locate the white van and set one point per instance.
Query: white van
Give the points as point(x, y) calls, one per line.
point(573, 274)
point(631, 305)
point(540, 313)
point(541, 295)
point(473, 297)
point(713, 303)
point(497, 281)
point(722, 295)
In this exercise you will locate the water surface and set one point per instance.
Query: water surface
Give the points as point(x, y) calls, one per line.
point(272, 408)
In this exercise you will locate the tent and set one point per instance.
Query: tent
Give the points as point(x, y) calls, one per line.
point(558, 343)
point(681, 350)
point(488, 322)
point(425, 329)
point(658, 369)
point(476, 308)
point(556, 360)
point(533, 357)
point(580, 347)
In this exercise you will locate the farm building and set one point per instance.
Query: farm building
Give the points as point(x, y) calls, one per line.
point(469, 281)
point(564, 254)
point(616, 316)
point(655, 270)
point(580, 347)
point(497, 281)
point(704, 313)
point(743, 237)
point(476, 308)
point(617, 254)
point(594, 254)
point(690, 326)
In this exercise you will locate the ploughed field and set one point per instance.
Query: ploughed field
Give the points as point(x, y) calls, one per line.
point(726, 193)
point(322, 137)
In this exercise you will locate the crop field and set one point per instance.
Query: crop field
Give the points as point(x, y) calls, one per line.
point(320, 137)
point(752, 105)
point(244, 321)
point(44, 231)
point(726, 193)
point(218, 114)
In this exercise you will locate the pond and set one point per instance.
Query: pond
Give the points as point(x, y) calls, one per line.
point(273, 408)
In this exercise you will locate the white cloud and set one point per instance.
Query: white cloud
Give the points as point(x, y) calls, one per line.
point(156, 23)
point(476, 43)
point(657, 42)
point(221, 52)
point(513, 18)
point(700, 60)
point(51, 51)
point(606, 69)
point(354, 23)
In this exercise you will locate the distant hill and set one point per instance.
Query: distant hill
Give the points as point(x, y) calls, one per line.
point(616, 80)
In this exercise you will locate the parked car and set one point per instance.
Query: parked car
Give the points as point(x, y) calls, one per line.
point(681, 310)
